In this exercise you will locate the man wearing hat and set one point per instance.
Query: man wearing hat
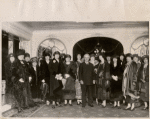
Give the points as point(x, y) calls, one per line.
point(22, 82)
point(129, 83)
point(35, 83)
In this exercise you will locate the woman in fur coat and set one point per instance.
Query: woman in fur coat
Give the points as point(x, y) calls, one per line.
point(21, 84)
point(70, 76)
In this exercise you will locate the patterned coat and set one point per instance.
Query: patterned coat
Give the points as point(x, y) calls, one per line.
point(130, 79)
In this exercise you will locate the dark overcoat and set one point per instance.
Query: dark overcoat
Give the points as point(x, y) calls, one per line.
point(55, 68)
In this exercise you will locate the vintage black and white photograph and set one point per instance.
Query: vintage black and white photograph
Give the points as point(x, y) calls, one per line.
point(75, 69)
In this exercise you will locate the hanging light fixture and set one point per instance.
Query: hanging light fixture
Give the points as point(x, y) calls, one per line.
point(98, 49)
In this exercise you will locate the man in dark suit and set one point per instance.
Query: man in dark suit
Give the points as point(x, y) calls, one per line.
point(87, 79)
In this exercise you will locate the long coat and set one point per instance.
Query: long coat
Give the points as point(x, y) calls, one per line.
point(10, 72)
point(77, 83)
point(69, 90)
point(23, 91)
point(55, 68)
point(130, 80)
point(144, 75)
point(46, 71)
point(35, 82)
point(103, 81)
point(116, 86)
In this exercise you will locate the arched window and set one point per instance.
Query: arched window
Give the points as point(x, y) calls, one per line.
point(51, 45)
point(141, 46)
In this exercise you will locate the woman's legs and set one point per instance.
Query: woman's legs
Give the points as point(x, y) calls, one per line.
point(104, 103)
point(145, 106)
point(115, 103)
point(65, 102)
point(70, 102)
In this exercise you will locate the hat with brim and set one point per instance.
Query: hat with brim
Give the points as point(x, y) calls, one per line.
point(56, 52)
point(145, 56)
point(20, 52)
point(27, 55)
point(92, 55)
point(135, 55)
point(129, 55)
point(102, 54)
point(67, 56)
point(46, 54)
point(115, 56)
point(34, 59)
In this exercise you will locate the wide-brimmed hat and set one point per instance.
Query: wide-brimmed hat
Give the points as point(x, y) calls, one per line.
point(20, 52)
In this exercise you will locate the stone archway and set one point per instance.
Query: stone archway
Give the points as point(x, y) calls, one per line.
point(109, 45)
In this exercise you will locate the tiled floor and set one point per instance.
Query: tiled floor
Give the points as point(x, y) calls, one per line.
point(96, 111)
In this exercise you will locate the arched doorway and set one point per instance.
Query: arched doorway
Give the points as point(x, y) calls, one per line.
point(51, 45)
point(109, 45)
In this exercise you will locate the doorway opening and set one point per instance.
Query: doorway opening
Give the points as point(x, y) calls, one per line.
point(107, 45)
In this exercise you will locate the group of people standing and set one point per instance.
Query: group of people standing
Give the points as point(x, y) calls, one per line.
point(58, 79)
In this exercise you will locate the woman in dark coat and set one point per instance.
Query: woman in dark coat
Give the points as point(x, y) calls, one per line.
point(56, 70)
point(116, 82)
point(21, 84)
point(92, 61)
point(103, 80)
point(10, 70)
point(35, 82)
point(46, 68)
point(144, 77)
point(70, 76)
